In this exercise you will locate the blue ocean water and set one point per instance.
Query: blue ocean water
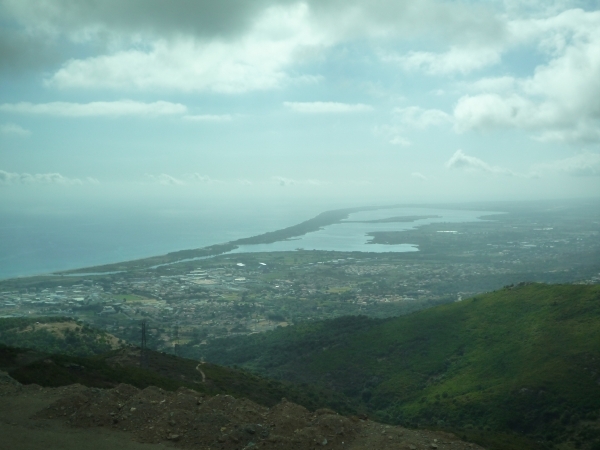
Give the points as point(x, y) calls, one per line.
point(37, 241)
point(43, 240)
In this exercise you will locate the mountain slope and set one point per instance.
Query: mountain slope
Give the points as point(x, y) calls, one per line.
point(56, 335)
point(524, 358)
point(75, 417)
point(166, 371)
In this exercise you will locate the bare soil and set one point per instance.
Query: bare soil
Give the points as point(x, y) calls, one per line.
point(32, 417)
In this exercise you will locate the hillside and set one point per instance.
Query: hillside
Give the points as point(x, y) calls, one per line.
point(75, 417)
point(56, 335)
point(524, 359)
point(51, 351)
point(166, 371)
point(182, 402)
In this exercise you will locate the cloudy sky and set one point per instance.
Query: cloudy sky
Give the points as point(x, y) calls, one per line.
point(436, 100)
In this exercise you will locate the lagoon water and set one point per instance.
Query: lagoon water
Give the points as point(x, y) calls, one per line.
point(43, 241)
point(352, 234)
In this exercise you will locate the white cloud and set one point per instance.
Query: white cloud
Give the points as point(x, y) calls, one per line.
point(379, 19)
point(231, 46)
point(392, 133)
point(415, 117)
point(283, 181)
point(165, 179)
point(399, 140)
point(493, 85)
point(327, 107)
point(559, 101)
point(11, 178)
point(12, 129)
point(462, 161)
point(254, 61)
point(88, 19)
point(96, 109)
point(134, 20)
point(494, 111)
point(582, 165)
point(456, 60)
point(188, 179)
point(418, 176)
point(198, 178)
point(208, 118)
point(191, 179)
point(408, 119)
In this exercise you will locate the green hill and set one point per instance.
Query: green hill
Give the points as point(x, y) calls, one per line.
point(62, 335)
point(163, 370)
point(524, 359)
point(51, 351)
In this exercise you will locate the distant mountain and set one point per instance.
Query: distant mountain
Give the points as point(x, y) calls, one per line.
point(524, 359)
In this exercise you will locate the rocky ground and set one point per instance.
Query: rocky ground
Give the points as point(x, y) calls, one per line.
point(125, 417)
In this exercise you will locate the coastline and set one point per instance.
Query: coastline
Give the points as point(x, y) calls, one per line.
point(316, 223)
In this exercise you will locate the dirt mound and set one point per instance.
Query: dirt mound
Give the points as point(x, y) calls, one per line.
point(5, 378)
point(189, 419)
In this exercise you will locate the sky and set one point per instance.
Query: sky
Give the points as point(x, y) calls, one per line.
point(325, 101)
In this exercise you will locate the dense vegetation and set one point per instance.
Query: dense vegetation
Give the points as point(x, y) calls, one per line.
point(524, 359)
point(162, 370)
point(518, 368)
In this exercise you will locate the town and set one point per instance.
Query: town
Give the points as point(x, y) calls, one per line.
point(192, 301)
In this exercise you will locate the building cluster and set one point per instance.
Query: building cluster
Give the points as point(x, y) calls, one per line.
point(243, 294)
point(50, 299)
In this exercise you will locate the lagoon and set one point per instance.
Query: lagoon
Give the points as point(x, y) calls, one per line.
point(351, 235)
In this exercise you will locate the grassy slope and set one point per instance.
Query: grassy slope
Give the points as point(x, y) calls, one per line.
point(163, 370)
point(501, 348)
point(525, 359)
point(55, 335)
point(33, 354)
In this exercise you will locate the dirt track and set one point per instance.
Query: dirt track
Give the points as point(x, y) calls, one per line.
point(201, 372)
point(76, 417)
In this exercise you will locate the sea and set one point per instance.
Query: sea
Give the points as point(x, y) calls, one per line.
point(42, 241)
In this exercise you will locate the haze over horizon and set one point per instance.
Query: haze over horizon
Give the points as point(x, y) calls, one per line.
point(382, 209)
point(327, 102)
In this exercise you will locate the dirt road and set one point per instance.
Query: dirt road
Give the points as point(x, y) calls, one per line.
point(201, 372)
